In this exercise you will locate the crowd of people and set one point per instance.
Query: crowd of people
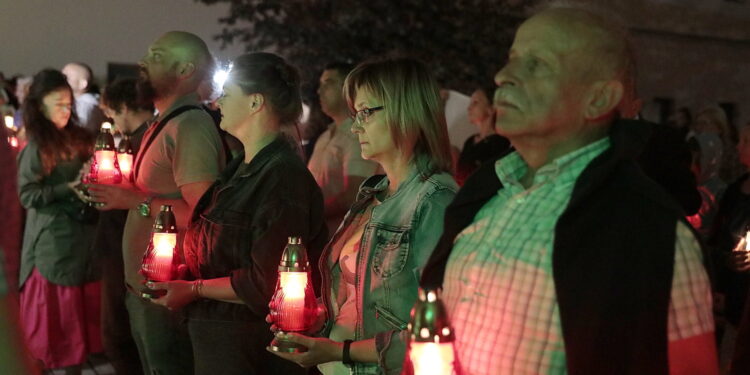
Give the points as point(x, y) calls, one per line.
point(566, 236)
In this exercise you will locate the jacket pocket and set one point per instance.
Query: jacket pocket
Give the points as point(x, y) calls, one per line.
point(391, 251)
point(382, 314)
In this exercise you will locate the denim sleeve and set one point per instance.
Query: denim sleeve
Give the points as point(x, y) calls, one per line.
point(32, 191)
point(391, 345)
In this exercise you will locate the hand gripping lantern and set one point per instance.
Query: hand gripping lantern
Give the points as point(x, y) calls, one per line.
point(293, 306)
point(104, 168)
point(161, 260)
point(431, 338)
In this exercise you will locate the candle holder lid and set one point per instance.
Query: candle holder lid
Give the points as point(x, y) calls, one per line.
point(104, 140)
point(294, 257)
point(165, 221)
point(429, 319)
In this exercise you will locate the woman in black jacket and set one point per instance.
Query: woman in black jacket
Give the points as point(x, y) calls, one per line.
point(240, 226)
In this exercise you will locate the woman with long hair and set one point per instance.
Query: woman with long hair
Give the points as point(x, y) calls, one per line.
point(240, 225)
point(371, 266)
point(58, 304)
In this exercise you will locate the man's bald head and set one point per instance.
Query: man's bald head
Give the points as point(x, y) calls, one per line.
point(186, 47)
point(602, 46)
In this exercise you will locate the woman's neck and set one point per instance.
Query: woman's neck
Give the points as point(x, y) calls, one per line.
point(256, 138)
point(397, 170)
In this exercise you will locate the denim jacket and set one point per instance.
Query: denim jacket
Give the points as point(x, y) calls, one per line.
point(396, 243)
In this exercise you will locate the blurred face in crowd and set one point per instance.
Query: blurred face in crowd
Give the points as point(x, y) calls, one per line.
point(57, 105)
point(375, 137)
point(77, 76)
point(158, 69)
point(331, 97)
point(235, 107)
point(743, 147)
point(705, 124)
point(480, 107)
point(119, 117)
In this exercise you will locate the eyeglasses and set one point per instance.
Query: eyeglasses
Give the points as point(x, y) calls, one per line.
point(363, 115)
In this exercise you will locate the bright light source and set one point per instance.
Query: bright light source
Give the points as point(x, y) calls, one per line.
point(106, 125)
point(9, 122)
point(220, 76)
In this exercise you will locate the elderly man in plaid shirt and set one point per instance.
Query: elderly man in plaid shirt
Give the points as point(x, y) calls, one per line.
point(562, 257)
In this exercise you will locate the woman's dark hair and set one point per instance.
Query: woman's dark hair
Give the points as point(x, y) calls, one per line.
point(54, 144)
point(274, 78)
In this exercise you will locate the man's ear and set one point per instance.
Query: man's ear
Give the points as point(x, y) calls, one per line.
point(186, 69)
point(604, 97)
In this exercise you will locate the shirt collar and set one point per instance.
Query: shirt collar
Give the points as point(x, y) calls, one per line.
point(566, 168)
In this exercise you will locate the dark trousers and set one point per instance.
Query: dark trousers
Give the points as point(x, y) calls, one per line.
point(163, 342)
point(236, 348)
point(116, 337)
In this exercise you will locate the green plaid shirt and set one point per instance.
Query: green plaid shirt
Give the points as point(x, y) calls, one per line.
point(499, 288)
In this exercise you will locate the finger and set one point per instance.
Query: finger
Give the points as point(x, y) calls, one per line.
point(157, 285)
point(182, 271)
point(295, 338)
point(741, 246)
point(292, 357)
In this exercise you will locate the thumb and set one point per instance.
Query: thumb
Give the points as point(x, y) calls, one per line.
point(182, 271)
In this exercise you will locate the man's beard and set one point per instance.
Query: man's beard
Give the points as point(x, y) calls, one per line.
point(145, 88)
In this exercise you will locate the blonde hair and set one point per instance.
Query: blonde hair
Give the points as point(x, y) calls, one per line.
point(412, 108)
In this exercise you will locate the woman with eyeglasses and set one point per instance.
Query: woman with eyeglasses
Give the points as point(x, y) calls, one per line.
point(371, 266)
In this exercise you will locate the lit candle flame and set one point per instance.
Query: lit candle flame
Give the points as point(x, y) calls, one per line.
point(432, 358)
point(9, 123)
point(106, 125)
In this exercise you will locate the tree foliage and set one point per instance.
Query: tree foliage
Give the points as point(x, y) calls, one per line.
point(463, 41)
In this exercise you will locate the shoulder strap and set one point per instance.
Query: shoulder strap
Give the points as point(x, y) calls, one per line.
point(157, 130)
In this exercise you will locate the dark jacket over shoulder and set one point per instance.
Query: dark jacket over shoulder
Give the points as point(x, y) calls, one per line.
point(612, 262)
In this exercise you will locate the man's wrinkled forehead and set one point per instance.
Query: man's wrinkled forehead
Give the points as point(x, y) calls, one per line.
point(551, 32)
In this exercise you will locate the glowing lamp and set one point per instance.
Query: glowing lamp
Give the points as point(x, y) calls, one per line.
point(161, 260)
point(9, 123)
point(747, 238)
point(125, 157)
point(104, 168)
point(293, 306)
point(431, 349)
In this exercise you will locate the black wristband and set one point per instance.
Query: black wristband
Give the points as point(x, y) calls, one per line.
point(346, 357)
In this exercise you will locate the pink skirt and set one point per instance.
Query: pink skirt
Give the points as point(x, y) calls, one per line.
point(60, 323)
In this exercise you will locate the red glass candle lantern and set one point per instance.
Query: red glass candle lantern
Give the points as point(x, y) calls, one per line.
point(104, 168)
point(294, 308)
point(125, 157)
point(161, 259)
point(431, 349)
point(11, 130)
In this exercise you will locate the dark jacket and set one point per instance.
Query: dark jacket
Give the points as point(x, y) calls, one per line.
point(240, 226)
point(57, 237)
point(612, 261)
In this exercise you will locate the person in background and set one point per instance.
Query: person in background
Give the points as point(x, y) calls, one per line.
point(336, 161)
point(713, 120)
point(731, 224)
point(372, 264)
point(180, 157)
point(59, 304)
point(80, 78)
point(485, 145)
point(563, 257)
point(241, 224)
point(707, 150)
point(130, 113)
